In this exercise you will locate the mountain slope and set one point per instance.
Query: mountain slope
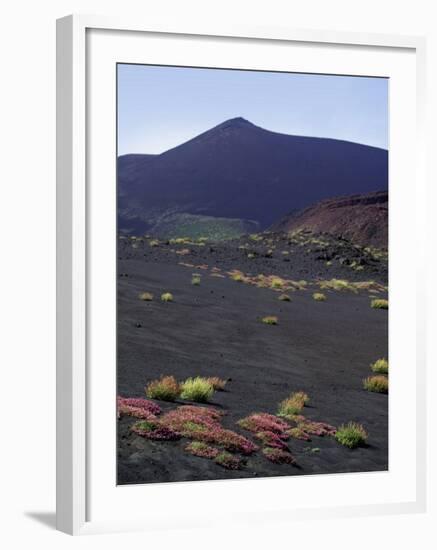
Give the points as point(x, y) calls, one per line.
point(362, 219)
point(238, 170)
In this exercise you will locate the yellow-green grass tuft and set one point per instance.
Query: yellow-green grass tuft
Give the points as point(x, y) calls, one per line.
point(146, 296)
point(337, 284)
point(238, 277)
point(351, 435)
point(165, 389)
point(377, 384)
point(270, 320)
point(380, 366)
point(277, 283)
point(195, 279)
point(284, 298)
point(293, 405)
point(197, 389)
point(167, 297)
point(379, 303)
point(319, 297)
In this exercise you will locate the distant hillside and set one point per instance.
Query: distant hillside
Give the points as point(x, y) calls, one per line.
point(362, 219)
point(240, 171)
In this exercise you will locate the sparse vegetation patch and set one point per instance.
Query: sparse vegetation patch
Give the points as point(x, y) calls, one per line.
point(319, 297)
point(167, 297)
point(351, 435)
point(264, 422)
point(197, 389)
point(217, 383)
point(165, 389)
point(198, 448)
point(379, 303)
point(153, 430)
point(270, 320)
point(380, 366)
point(278, 456)
point(377, 384)
point(137, 407)
point(306, 428)
point(146, 296)
point(293, 405)
point(228, 461)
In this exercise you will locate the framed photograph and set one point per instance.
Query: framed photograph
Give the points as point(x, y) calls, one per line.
point(237, 320)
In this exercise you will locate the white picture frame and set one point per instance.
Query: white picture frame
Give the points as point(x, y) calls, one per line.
point(74, 340)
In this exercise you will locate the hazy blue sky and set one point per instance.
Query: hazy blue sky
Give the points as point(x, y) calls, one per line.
point(161, 107)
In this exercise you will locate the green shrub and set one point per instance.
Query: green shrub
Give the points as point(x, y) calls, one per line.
point(197, 389)
point(379, 303)
point(167, 297)
point(284, 298)
point(319, 297)
point(164, 389)
point(270, 320)
point(380, 366)
point(146, 296)
point(351, 435)
point(377, 384)
point(195, 279)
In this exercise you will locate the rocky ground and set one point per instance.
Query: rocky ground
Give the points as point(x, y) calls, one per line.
point(215, 329)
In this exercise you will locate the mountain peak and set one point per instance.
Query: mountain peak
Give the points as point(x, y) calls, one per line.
point(237, 122)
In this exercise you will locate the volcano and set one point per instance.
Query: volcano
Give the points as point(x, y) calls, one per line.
point(240, 171)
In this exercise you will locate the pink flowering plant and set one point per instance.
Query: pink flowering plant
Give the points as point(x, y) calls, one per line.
point(198, 448)
point(203, 424)
point(278, 456)
point(228, 461)
point(153, 430)
point(264, 422)
point(137, 407)
point(271, 439)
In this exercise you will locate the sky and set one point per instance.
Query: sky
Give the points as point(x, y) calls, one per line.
point(161, 107)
